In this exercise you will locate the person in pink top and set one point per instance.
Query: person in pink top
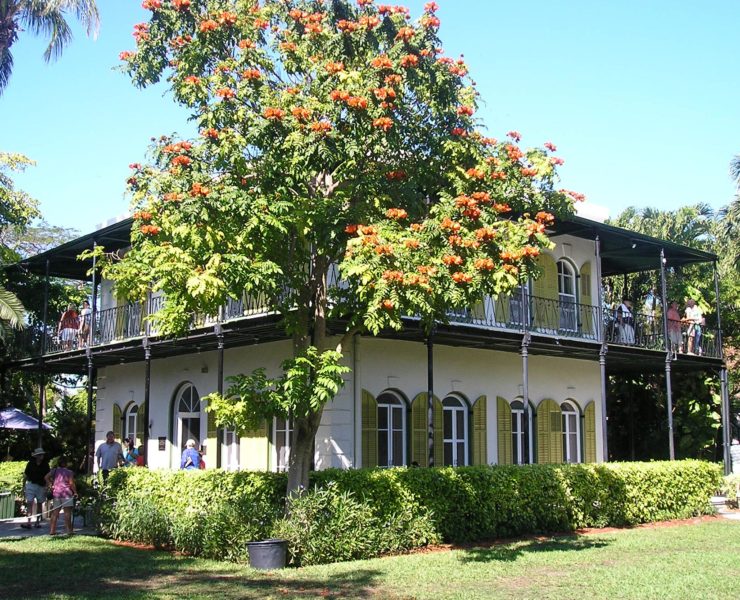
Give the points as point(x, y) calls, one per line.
point(62, 482)
point(675, 338)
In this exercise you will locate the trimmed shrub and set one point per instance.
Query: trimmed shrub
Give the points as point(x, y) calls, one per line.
point(367, 512)
point(11, 476)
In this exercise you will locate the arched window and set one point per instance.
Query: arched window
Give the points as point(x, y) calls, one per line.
point(571, 433)
point(455, 421)
point(391, 430)
point(282, 434)
point(187, 416)
point(130, 421)
point(567, 295)
point(517, 433)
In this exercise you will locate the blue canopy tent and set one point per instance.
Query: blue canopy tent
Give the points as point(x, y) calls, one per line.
point(12, 418)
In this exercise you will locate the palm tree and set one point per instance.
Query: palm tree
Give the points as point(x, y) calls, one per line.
point(41, 17)
point(11, 312)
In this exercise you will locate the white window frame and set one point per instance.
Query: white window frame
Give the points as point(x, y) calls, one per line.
point(517, 416)
point(132, 412)
point(455, 439)
point(282, 462)
point(568, 302)
point(400, 405)
point(571, 430)
point(193, 402)
point(230, 450)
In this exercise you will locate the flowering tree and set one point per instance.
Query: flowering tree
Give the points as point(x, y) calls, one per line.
point(334, 135)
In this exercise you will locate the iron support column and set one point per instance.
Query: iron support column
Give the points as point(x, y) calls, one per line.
point(430, 398)
point(220, 389)
point(147, 387)
point(599, 292)
point(668, 388)
point(726, 426)
point(525, 394)
point(604, 428)
point(90, 430)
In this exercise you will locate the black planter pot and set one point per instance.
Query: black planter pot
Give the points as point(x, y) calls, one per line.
point(267, 554)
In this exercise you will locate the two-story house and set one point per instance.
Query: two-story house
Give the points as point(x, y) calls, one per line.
point(515, 379)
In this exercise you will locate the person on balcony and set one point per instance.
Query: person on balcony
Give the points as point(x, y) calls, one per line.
point(69, 324)
point(695, 318)
point(626, 322)
point(674, 330)
point(85, 317)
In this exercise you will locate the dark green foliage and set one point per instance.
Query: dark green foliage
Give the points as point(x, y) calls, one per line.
point(363, 513)
point(11, 477)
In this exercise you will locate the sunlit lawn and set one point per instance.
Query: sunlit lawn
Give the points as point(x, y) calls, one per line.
point(699, 560)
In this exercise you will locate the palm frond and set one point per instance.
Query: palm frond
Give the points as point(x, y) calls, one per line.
point(735, 169)
point(11, 309)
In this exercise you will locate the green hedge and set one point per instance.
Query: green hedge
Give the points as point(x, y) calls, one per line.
point(362, 513)
point(11, 477)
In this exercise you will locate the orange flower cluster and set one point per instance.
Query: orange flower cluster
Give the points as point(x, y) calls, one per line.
point(501, 208)
point(261, 23)
point(347, 26)
point(528, 172)
point(485, 234)
point(387, 304)
point(246, 44)
point(557, 161)
point(409, 61)
point(273, 114)
point(181, 4)
point(393, 79)
point(181, 161)
point(141, 32)
point(321, 127)
point(385, 93)
point(135, 166)
point(393, 276)
point(199, 189)
point(150, 229)
point(395, 175)
point(511, 269)
point(534, 228)
point(426, 270)
point(452, 259)
point(368, 230)
point(335, 67)
point(431, 7)
point(172, 197)
point(381, 62)
point(577, 196)
point(450, 225)
point(460, 68)
point(484, 264)
point(459, 131)
point(142, 215)
point(413, 279)
point(405, 33)
point(411, 243)
point(288, 46)
point(515, 135)
point(292, 91)
point(181, 40)
point(363, 3)
point(351, 229)
point(514, 152)
point(369, 23)
point(475, 173)
point(225, 93)
point(300, 113)
point(192, 79)
point(210, 133)
point(126, 55)
point(352, 101)
point(151, 4)
point(227, 19)
point(498, 175)
point(417, 227)
point(252, 74)
point(550, 146)
point(466, 111)
point(460, 277)
point(177, 147)
point(385, 249)
point(455, 240)
point(430, 21)
point(384, 9)
point(208, 25)
point(545, 217)
point(396, 214)
point(531, 251)
point(383, 123)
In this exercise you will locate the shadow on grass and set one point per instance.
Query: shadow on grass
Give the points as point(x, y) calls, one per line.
point(514, 550)
point(92, 568)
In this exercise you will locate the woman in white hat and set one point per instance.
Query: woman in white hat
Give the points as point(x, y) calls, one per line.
point(34, 485)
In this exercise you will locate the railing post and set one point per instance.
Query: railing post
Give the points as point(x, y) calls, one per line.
point(721, 353)
point(525, 393)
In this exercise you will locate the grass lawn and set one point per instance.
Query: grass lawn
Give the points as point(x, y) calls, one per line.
point(700, 560)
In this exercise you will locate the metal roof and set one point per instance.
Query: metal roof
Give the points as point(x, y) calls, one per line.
point(622, 250)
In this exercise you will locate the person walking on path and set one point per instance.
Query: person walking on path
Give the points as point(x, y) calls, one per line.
point(109, 455)
point(64, 491)
point(34, 486)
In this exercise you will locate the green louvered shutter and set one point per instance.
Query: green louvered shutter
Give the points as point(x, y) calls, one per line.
point(211, 425)
point(549, 433)
point(480, 438)
point(545, 290)
point(419, 431)
point(369, 430)
point(587, 315)
point(503, 309)
point(140, 416)
point(503, 420)
point(589, 437)
point(439, 433)
point(117, 422)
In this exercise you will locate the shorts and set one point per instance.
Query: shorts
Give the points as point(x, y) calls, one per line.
point(64, 502)
point(35, 492)
point(68, 335)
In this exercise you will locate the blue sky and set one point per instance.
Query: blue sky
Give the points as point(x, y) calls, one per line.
point(641, 98)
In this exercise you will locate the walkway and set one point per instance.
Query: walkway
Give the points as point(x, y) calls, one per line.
point(11, 528)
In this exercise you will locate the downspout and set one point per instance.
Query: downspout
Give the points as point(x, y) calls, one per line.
point(430, 398)
point(147, 388)
point(220, 387)
point(601, 336)
point(669, 391)
point(525, 393)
